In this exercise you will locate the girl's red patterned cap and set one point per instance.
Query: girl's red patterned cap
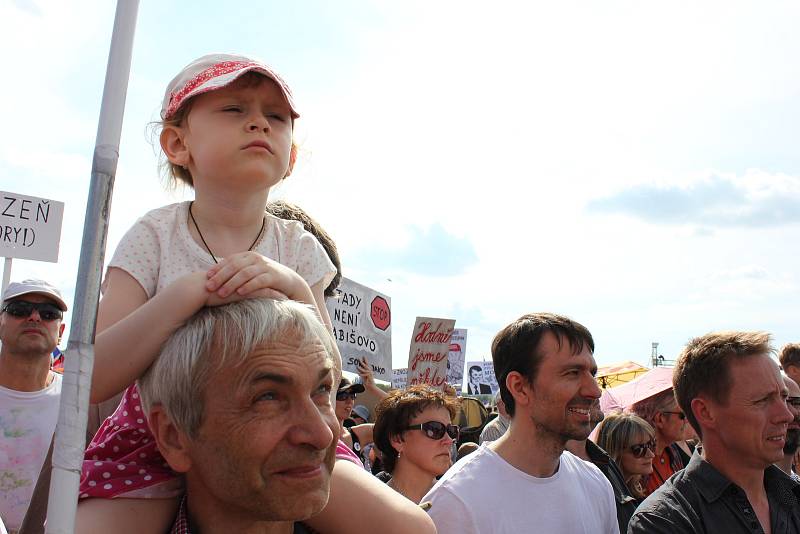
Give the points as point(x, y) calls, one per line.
point(212, 72)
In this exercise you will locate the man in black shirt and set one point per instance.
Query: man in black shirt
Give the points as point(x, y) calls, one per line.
point(733, 395)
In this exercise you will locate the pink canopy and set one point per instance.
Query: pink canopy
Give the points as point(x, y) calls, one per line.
point(650, 383)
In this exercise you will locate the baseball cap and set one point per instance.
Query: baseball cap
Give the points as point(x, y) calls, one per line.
point(215, 71)
point(361, 411)
point(346, 385)
point(40, 287)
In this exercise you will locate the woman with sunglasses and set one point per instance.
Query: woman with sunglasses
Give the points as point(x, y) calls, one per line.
point(631, 442)
point(414, 434)
point(355, 437)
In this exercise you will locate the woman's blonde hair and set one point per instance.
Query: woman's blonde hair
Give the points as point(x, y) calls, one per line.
point(617, 433)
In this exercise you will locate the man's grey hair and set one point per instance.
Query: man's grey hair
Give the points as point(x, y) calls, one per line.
point(648, 408)
point(222, 336)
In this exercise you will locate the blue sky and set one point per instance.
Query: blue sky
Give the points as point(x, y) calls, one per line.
point(633, 165)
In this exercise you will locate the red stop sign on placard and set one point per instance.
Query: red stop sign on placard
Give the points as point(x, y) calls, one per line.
point(380, 314)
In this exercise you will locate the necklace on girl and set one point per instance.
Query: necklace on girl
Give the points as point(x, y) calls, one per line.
point(253, 244)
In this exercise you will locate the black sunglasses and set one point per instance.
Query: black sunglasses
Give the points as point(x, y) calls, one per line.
point(23, 308)
point(345, 395)
point(681, 415)
point(436, 430)
point(640, 449)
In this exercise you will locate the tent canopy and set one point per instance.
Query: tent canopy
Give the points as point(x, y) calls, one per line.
point(609, 376)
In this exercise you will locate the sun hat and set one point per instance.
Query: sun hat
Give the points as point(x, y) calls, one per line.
point(39, 287)
point(215, 71)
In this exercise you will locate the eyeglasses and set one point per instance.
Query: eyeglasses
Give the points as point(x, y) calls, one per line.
point(681, 415)
point(23, 308)
point(793, 401)
point(345, 395)
point(640, 449)
point(436, 430)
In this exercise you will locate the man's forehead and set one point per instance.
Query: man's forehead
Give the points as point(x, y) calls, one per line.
point(559, 351)
point(754, 375)
point(291, 356)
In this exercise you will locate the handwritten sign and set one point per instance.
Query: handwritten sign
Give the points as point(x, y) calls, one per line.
point(30, 227)
point(480, 378)
point(430, 347)
point(360, 329)
point(455, 359)
point(400, 378)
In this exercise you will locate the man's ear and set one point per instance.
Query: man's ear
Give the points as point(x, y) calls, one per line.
point(171, 441)
point(292, 160)
point(174, 145)
point(520, 388)
point(703, 412)
point(61, 331)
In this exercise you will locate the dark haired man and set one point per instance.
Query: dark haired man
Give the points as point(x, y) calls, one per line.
point(733, 395)
point(476, 386)
point(790, 360)
point(545, 370)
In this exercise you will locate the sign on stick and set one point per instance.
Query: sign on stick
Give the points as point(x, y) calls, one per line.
point(427, 356)
point(362, 327)
point(30, 227)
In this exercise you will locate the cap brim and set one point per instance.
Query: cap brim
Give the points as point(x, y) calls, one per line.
point(52, 296)
point(353, 388)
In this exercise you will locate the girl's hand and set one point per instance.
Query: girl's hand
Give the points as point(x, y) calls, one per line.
point(249, 275)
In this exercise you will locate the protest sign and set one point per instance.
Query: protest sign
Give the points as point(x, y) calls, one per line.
point(362, 327)
point(30, 227)
point(400, 378)
point(427, 355)
point(480, 378)
point(455, 359)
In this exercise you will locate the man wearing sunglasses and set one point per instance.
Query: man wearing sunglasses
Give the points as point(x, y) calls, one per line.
point(525, 481)
point(733, 395)
point(30, 328)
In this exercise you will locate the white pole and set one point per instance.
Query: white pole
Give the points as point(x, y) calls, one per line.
point(70, 434)
point(6, 274)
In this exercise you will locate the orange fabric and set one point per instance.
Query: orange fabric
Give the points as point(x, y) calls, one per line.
point(662, 470)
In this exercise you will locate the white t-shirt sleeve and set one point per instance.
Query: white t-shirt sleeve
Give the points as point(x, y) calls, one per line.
point(612, 525)
point(139, 255)
point(449, 513)
point(310, 259)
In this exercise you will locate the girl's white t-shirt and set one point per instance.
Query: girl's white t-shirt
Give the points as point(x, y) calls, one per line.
point(158, 249)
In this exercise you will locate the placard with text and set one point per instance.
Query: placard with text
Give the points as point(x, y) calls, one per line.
point(430, 347)
point(362, 327)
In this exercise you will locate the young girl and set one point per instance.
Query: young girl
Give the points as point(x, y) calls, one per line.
point(227, 132)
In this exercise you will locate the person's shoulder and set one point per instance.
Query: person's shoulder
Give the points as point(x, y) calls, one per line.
point(165, 213)
point(676, 493)
point(286, 227)
point(160, 220)
point(469, 468)
point(582, 468)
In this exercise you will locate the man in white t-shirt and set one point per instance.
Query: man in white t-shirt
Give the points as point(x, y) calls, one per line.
point(30, 328)
point(525, 481)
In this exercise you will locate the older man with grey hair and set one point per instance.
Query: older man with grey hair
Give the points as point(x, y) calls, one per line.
point(240, 402)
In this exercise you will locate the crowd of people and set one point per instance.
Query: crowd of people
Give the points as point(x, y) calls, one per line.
point(232, 414)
